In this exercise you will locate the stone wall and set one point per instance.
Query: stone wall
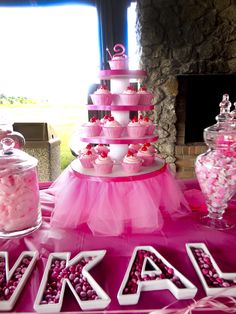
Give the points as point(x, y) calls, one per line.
point(179, 37)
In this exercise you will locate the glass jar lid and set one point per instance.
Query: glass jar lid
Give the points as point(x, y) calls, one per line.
point(223, 134)
point(12, 158)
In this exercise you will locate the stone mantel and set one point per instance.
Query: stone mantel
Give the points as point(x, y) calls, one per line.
point(178, 37)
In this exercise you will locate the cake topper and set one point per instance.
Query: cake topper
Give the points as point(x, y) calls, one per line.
point(120, 52)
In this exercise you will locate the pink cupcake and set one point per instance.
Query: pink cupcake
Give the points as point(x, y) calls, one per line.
point(131, 163)
point(150, 148)
point(87, 159)
point(112, 128)
point(129, 97)
point(103, 164)
point(92, 128)
point(101, 148)
point(147, 122)
point(102, 96)
point(119, 61)
point(104, 119)
point(146, 155)
point(134, 148)
point(86, 149)
point(145, 96)
point(135, 129)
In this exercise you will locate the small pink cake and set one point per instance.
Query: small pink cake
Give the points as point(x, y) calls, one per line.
point(129, 97)
point(134, 148)
point(150, 148)
point(101, 148)
point(119, 61)
point(103, 164)
point(104, 119)
point(102, 96)
point(87, 159)
point(112, 128)
point(131, 163)
point(86, 149)
point(146, 155)
point(150, 127)
point(145, 96)
point(135, 129)
point(92, 128)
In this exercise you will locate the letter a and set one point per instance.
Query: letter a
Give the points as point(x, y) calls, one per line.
point(148, 271)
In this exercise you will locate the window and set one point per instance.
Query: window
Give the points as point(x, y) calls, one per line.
point(132, 38)
point(49, 56)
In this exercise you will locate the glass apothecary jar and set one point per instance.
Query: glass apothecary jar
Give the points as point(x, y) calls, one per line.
point(20, 212)
point(216, 168)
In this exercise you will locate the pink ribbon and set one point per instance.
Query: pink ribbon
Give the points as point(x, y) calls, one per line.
point(105, 74)
point(138, 177)
point(120, 107)
point(218, 302)
point(124, 140)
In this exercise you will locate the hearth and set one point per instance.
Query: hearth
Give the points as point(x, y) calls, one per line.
point(197, 103)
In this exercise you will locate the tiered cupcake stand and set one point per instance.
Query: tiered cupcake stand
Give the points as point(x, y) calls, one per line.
point(119, 80)
point(119, 202)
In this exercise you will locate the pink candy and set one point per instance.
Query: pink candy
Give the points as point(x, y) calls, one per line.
point(19, 200)
point(58, 273)
point(210, 274)
point(217, 177)
point(8, 287)
point(135, 274)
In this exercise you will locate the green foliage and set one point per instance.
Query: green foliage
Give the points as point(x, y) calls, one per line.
point(12, 100)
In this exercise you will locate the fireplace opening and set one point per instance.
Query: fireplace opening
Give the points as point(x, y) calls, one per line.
point(198, 100)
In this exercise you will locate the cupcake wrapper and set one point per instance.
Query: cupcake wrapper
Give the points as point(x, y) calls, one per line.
point(130, 100)
point(92, 130)
point(102, 99)
point(119, 64)
point(136, 131)
point(86, 163)
point(145, 99)
point(131, 168)
point(103, 169)
point(113, 132)
point(147, 160)
point(150, 129)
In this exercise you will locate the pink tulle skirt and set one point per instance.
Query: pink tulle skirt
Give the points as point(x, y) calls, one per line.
point(114, 208)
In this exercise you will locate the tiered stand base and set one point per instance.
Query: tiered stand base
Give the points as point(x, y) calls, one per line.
point(118, 203)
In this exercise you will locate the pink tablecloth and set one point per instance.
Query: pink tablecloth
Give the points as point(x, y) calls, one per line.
point(169, 241)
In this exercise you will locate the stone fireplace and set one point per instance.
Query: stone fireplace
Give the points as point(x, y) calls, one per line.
point(188, 48)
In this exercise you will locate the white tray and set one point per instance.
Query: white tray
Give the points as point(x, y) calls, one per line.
point(180, 293)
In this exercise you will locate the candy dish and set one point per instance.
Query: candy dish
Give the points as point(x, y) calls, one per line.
point(214, 281)
point(91, 298)
point(156, 274)
point(132, 168)
point(19, 274)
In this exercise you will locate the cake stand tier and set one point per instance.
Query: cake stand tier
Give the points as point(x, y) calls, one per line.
point(118, 174)
point(121, 140)
point(110, 74)
point(120, 107)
